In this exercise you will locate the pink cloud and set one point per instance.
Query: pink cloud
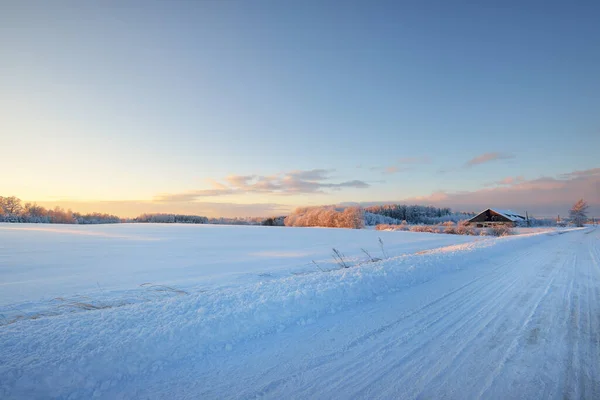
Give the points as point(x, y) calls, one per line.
point(488, 157)
point(294, 182)
point(509, 180)
point(392, 169)
point(238, 181)
point(436, 197)
point(581, 174)
point(546, 195)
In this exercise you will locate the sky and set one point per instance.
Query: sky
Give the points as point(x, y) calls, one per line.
point(254, 107)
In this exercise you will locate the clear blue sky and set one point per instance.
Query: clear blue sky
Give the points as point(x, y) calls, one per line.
point(160, 102)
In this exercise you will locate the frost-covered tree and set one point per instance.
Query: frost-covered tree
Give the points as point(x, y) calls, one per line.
point(10, 206)
point(273, 221)
point(578, 213)
point(61, 216)
point(173, 218)
point(354, 218)
point(327, 216)
point(12, 210)
point(415, 214)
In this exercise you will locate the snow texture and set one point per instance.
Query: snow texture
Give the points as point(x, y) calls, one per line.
point(512, 317)
point(39, 263)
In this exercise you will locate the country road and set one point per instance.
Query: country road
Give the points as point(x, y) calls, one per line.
point(515, 318)
point(526, 326)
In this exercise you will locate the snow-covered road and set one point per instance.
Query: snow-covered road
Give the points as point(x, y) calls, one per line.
point(526, 326)
point(516, 318)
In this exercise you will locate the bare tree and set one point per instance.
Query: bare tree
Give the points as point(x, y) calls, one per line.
point(578, 213)
point(10, 205)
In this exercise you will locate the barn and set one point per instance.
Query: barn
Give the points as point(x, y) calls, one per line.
point(492, 216)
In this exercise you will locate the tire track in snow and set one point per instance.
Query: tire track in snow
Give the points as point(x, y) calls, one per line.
point(588, 334)
point(436, 311)
point(411, 377)
point(590, 387)
point(525, 325)
point(462, 354)
point(546, 363)
point(411, 366)
point(542, 279)
point(484, 312)
point(511, 349)
point(424, 323)
point(583, 348)
point(460, 298)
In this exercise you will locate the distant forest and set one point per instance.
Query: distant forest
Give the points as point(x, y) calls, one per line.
point(415, 214)
point(357, 217)
point(12, 209)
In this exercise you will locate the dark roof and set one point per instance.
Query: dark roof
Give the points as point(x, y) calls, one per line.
point(511, 216)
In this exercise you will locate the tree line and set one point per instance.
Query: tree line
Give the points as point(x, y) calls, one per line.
point(171, 219)
point(415, 214)
point(12, 209)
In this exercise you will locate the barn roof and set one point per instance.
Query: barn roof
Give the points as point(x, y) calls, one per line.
point(514, 217)
point(509, 214)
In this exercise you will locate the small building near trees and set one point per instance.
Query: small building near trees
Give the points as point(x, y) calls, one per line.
point(492, 217)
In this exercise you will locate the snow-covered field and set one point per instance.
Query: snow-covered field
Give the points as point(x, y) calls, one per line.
point(241, 312)
point(103, 264)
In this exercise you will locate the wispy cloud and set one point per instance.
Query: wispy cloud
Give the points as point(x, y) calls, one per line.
point(545, 195)
point(581, 174)
point(191, 195)
point(402, 165)
point(312, 175)
point(293, 182)
point(392, 169)
point(488, 157)
point(509, 180)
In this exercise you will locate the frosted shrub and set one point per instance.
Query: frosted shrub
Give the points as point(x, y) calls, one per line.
point(402, 227)
point(385, 227)
point(449, 228)
point(423, 228)
point(501, 230)
point(464, 228)
point(388, 227)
